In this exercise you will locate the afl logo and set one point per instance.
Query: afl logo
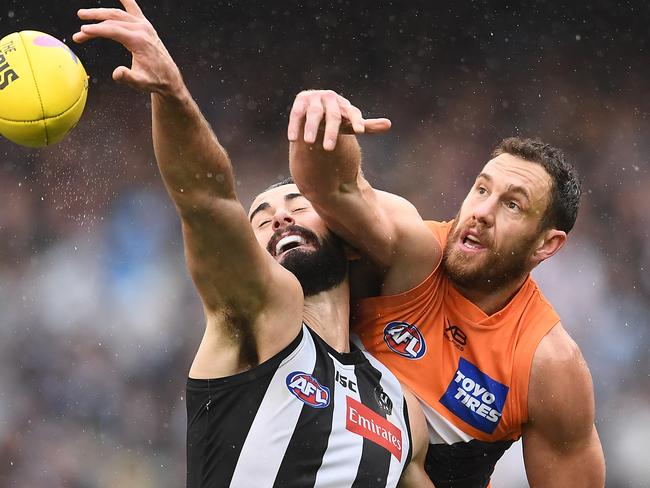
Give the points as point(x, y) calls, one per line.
point(308, 390)
point(405, 339)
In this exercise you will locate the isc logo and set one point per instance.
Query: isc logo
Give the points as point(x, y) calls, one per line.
point(308, 390)
point(405, 339)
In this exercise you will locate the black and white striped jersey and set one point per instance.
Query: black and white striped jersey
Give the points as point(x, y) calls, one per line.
point(308, 417)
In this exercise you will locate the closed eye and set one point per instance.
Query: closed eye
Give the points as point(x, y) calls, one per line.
point(263, 223)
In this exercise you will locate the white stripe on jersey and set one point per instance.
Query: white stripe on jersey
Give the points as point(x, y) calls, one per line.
point(393, 388)
point(339, 453)
point(265, 444)
point(267, 440)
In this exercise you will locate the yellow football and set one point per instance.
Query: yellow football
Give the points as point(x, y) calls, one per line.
point(43, 88)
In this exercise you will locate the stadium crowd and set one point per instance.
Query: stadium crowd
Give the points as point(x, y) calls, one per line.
point(99, 319)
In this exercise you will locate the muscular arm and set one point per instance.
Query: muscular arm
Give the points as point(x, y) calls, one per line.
point(236, 279)
point(226, 262)
point(383, 227)
point(561, 445)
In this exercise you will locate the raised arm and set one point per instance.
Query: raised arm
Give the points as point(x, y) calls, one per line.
point(326, 165)
point(236, 279)
point(561, 445)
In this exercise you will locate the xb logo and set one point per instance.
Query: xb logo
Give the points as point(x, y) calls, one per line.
point(456, 336)
point(405, 339)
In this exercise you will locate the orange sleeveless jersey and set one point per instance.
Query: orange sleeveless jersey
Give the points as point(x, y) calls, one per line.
point(469, 370)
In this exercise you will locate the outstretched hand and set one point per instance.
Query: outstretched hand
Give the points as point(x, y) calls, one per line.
point(152, 68)
point(314, 108)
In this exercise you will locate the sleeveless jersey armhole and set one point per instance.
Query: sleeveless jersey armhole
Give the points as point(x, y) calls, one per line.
point(407, 422)
point(528, 347)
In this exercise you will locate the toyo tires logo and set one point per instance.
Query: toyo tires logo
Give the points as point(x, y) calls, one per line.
point(405, 339)
point(308, 390)
point(475, 397)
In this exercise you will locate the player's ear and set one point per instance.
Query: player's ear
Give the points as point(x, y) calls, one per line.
point(550, 242)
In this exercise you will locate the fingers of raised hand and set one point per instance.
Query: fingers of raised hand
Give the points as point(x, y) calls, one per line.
point(132, 7)
point(377, 126)
point(313, 117)
point(296, 117)
point(131, 19)
point(327, 111)
point(134, 78)
point(105, 14)
point(333, 118)
point(354, 118)
point(308, 113)
point(115, 30)
point(80, 37)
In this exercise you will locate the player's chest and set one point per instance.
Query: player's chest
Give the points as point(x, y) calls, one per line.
point(361, 419)
point(463, 370)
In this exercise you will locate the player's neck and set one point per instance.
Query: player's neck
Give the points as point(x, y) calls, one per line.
point(492, 301)
point(328, 314)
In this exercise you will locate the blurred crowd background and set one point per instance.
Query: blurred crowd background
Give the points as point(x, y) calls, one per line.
point(99, 321)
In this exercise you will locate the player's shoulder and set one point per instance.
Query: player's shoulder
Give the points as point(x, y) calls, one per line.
point(556, 349)
point(539, 299)
point(388, 198)
point(399, 209)
point(440, 229)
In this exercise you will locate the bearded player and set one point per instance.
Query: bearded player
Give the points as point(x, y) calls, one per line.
point(276, 397)
point(451, 308)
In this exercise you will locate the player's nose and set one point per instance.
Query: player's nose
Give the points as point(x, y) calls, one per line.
point(484, 211)
point(282, 218)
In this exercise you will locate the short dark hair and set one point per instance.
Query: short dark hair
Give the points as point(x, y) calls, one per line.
point(285, 181)
point(562, 209)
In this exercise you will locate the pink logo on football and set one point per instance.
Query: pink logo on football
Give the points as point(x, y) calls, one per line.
point(49, 41)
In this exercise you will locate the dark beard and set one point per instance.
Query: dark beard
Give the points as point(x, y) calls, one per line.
point(321, 269)
point(499, 270)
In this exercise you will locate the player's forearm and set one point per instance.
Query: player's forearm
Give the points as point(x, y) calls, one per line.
point(333, 183)
point(194, 166)
point(321, 174)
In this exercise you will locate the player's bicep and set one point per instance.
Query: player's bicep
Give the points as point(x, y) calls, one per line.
point(561, 445)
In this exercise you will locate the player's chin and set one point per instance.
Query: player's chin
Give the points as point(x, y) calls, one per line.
point(295, 252)
point(465, 263)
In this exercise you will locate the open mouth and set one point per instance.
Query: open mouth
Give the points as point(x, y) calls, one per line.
point(289, 242)
point(471, 241)
point(290, 238)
